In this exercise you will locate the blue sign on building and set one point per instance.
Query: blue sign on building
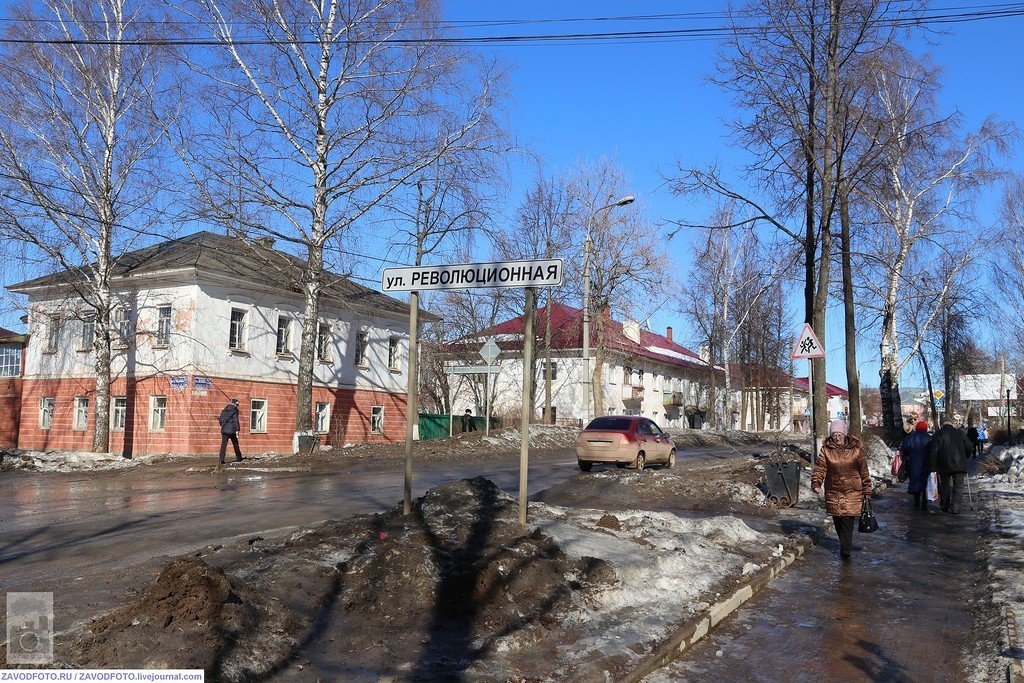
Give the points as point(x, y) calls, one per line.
point(201, 382)
point(179, 382)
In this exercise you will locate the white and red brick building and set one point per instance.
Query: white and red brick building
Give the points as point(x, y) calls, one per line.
point(200, 320)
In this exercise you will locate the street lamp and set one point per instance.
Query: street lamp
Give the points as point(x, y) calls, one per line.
point(588, 378)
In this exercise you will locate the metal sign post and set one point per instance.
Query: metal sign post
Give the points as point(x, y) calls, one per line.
point(807, 346)
point(413, 279)
point(489, 352)
point(524, 430)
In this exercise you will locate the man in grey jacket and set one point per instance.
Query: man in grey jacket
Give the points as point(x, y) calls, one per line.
point(949, 452)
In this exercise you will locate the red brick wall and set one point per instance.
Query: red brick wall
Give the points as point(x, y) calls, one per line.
point(10, 410)
point(192, 425)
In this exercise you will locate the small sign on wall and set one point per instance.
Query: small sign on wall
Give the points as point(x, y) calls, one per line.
point(201, 382)
point(179, 383)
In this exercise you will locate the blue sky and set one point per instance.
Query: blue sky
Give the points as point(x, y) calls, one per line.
point(648, 104)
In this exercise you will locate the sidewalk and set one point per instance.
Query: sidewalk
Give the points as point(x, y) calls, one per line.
point(899, 612)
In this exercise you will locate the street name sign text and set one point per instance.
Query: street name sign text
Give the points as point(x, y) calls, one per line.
point(541, 273)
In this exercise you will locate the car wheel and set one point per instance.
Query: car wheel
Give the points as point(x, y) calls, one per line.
point(641, 460)
point(586, 466)
point(671, 462)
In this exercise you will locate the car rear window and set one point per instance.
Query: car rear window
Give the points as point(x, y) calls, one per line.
point(612, 424)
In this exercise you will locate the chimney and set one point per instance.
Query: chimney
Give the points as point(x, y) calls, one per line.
point(668, 333)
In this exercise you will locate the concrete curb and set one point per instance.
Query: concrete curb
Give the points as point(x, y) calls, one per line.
point(689, 632)
point(1015, 669)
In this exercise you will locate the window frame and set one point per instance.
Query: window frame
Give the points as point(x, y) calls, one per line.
point(284, 346)
point(263, 412)
point(123, 326)
point(116, 410)
point(46, 416)
point(162, 339)
point(324, 337)
point(52, 333)
point(395, 354)
point(10, 359)
point(325, 414)
point(77, 424)
point(239, 345)
point(153, 400)
point(554, 370)
point(377, 416)
point(88, 325)
point(362, 344)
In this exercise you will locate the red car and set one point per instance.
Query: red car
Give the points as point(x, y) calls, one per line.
point(624, 440)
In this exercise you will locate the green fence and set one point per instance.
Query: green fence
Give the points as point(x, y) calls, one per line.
point(434, 426)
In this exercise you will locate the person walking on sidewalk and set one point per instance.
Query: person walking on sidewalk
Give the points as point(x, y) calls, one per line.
point(973, 437)
point(915, 459)
point(949, 455)
point(843, 470)
point(229, 429)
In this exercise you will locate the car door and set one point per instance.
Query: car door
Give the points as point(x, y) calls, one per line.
point(664, 442)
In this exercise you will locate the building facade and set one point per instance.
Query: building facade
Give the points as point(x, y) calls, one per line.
point(643, 373)
point(12, 361)
point(198, 321)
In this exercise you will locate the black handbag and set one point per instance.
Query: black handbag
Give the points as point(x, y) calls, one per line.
point(868, 524)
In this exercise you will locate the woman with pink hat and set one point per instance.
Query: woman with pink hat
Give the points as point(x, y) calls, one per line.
point(843, 469)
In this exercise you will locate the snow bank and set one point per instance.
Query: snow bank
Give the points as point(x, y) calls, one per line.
point(541, 436)
point(1013, 459)
point(72, 461)
point(879, 457)
point(667, 567)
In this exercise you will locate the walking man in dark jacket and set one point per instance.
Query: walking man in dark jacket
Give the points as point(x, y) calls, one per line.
point(229, 429)
point(468, 423)
point(949, 459)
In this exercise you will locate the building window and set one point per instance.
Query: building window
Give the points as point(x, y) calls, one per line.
point(123, 324)
point(52, 334)
point(360, 357)
point(88, 332)
point(323, 343)
point(393, 353)
point(258, 416)
point(81, 422)
point(10, 360)
point(236, 336)
point(377, 419)
point(323, 418)
point(163, 326)
point(119, 414)
point(157, 413)
point(284, 335)
point(46, 407)
point(627, 376)
point(554, 371)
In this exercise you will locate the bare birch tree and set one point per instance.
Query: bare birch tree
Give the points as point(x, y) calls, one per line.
point(80, 145)
point(921, 191)
point(320, 111)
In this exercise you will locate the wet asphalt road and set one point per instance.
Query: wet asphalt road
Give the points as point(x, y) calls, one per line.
point(93, 538)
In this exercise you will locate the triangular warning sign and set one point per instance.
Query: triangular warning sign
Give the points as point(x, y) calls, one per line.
point(807, 345)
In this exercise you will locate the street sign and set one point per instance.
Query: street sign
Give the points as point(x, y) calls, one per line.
point(179, 382)
point(992, 387)
point(938, 394)
point(539, 273)
point(807, 345)
point(201, 382)
point(472, 369)
point(489, 351)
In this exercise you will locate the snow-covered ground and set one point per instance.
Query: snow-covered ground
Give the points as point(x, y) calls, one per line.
point(1006, 540)
point(74, 461)
point(668, 570)
point(541, 436)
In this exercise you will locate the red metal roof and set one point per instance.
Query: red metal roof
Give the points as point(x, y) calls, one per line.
point(567, 333)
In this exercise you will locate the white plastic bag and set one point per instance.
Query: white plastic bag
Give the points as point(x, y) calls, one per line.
point(932, 492)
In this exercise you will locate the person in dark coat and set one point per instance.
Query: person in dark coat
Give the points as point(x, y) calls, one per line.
point(843, 470)
point(949, 458)
point(229, 429)
point(468, 423)
point(974, 439)
point(915, 460)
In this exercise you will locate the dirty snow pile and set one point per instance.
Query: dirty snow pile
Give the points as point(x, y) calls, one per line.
point(879, 457)
point(669, 569)
point(541, 436)
point(71, 461)
point(1012, 459)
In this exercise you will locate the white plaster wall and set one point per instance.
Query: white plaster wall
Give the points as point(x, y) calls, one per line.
point(260, 359)
point(142, 352)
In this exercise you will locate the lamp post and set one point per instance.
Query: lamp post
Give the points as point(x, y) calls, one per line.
point(587, 376)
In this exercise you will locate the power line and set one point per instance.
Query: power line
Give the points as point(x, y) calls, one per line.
point(938, 16)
